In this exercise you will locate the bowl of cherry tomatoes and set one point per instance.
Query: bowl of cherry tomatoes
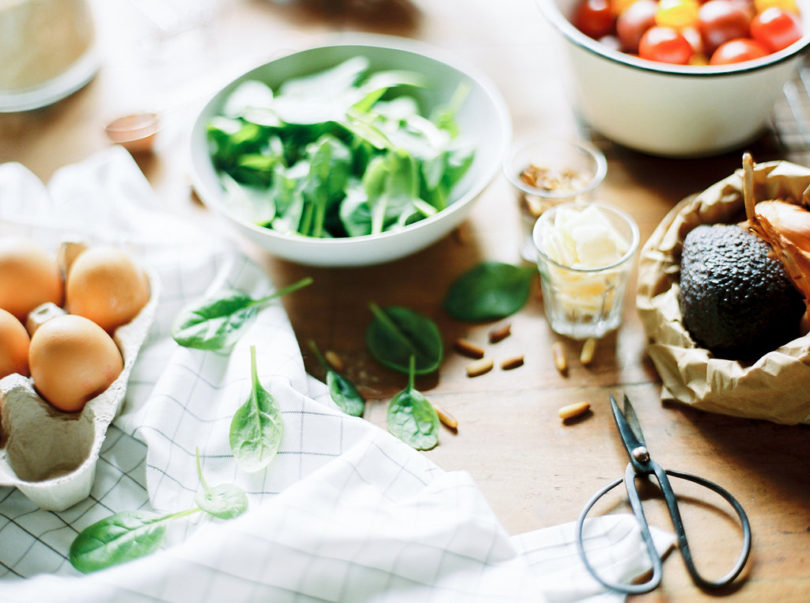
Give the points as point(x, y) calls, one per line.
point(680, 78)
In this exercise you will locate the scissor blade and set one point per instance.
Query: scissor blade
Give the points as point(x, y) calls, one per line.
point(629, 439)
point(632, 419)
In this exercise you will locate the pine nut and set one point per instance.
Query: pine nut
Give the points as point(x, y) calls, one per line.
point(500, 333)
point(479, 367)
point(468, 348)
point(588, 349)
point(512, 363)
point(560, 361)
point(446, 418)
point(572, 411)
point(334, 360)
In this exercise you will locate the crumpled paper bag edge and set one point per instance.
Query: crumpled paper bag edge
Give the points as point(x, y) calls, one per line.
point(774, 388)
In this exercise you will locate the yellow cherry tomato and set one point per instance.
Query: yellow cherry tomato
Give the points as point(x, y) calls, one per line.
point(677, 13)
point(786, 5)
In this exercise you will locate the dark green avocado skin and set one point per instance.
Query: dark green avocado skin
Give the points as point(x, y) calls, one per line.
point(736, 299)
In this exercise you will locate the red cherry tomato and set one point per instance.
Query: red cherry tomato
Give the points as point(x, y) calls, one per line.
point(737, 51)
point(665, 45)
point(776, 29)
point(594, 18)
point(720, 21)
point(634, 21)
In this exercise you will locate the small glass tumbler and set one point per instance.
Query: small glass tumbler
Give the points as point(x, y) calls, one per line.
point(584, 265)
point(548, 171)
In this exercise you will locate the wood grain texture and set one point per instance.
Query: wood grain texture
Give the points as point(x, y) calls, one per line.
point(534, 470)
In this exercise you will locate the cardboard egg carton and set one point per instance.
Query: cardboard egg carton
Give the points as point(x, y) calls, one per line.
point(50, 455)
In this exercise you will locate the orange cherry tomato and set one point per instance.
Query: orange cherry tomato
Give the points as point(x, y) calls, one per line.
point(776, 28)
point(720, 21)
point(594, 18)
point(665, 45)
point(737, 51)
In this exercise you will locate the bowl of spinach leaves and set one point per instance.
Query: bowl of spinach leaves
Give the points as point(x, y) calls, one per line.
point(349, 154)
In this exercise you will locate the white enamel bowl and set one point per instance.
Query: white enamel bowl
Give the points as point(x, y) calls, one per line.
point(672, 110)
point(483, 120)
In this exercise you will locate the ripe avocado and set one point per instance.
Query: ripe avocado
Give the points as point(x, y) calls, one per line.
point(736, 299)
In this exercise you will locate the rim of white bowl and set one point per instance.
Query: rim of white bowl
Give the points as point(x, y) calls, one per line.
point(553, 14)
point(385, 42)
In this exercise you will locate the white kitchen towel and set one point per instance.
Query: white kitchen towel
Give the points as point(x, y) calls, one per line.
point(346, 512)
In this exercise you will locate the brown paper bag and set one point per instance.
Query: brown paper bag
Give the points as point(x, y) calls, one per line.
point(777, 386)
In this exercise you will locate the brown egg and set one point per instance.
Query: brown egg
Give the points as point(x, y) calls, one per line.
point(72, 360)
point(106, 286)
point(13, 345)
point(28, 277)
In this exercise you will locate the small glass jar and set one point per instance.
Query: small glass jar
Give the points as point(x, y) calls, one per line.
point(584, 254)
point(548, 171)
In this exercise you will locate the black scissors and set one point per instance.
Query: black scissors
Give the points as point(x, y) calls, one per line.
point(641, 465)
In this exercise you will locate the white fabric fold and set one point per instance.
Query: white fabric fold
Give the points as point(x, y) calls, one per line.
point(346, 512)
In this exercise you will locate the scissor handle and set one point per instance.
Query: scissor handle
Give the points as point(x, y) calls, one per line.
point(635, 503)
point(672, 505)
point(680, 533)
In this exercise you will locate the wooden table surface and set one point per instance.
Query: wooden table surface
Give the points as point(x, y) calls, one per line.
point(535, 471)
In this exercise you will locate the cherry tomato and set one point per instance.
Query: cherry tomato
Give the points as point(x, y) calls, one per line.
point(737, 51)
point(633, 22)
point(776, 29)
point(677, 13)
point(788, 5)
point(692, 36)
point(665, 45)
point(619, 6)
point(594, 18)
point(720, 21)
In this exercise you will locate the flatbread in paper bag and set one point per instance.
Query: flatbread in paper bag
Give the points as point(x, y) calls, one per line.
point(777, 386)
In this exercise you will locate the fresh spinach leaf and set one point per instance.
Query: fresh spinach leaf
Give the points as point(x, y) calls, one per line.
point(341, 390)
point(396, 334)
point(217, 324)
point(129, 535)
point(411, 417)
point(489, 291)
point(256, 427)
point(119, 538)
point(224, 501)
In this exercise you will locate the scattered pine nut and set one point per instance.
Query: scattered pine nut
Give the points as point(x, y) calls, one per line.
point(572, 411)
point(560, 361)
point(468, 348)
point(334, 360)
point(446, 418)
point(512, 363)
point(588, 349)
point(500, 333)
point(479, 367)
point(460, 234)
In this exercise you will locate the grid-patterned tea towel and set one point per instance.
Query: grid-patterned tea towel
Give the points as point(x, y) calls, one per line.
point(346, 512)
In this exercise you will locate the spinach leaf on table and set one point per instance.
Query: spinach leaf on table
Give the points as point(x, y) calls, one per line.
point(396, 334)
point(342, 391)
point(489, 291)
point(411, 417)
point(256, 427)
point(217, 324)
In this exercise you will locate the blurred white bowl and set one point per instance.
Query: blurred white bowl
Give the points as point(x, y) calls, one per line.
point(483, 120)
point(672, 110)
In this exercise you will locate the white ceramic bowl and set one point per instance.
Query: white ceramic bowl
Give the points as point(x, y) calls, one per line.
point(483, 120)
point(672, 110)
